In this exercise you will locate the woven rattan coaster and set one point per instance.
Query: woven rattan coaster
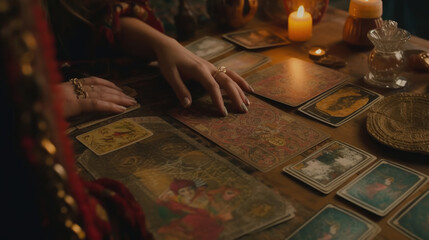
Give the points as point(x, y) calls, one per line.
point(401, 121)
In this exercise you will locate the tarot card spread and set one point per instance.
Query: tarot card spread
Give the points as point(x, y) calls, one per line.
point(340, 104)
point(209, 47)
point(333, 222)
point(243, 62)
point(187, 191)
point(330, 166)
point(413, 219)
point(294, 81)
point(113, 136)
point(264, 138)
point(256, 38)
point(382, 187)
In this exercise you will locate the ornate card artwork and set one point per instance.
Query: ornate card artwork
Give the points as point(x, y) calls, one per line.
point(294, 81)
point(265, 137)
point(187, 191)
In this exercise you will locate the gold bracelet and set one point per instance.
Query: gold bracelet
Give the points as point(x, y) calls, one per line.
point(78, 88)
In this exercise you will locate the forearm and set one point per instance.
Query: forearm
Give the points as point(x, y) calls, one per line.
point(139, 39)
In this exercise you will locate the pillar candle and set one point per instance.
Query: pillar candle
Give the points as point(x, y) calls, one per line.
point(300, 25)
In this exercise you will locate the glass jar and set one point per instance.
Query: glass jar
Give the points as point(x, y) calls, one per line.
point(387, 59)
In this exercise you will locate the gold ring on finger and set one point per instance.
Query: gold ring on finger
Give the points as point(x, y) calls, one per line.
point(219, 70)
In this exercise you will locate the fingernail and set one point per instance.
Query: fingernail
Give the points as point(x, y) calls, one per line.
point(247, 101)
point(133, 100)
point(225, 112)
point(186, 102)
point(121, 108)
point(243, 107)
point(251, 89)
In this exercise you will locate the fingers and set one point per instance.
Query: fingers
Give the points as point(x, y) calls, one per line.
point(100, 96)
point(99, 81)
point(98, 105)
point(179, 88)
point(239, 100)
point(241, 82)
point(212, 87)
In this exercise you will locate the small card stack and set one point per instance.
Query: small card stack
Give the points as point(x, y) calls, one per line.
point(330, 166)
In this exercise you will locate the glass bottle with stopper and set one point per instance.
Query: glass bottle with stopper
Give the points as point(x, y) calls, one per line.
point(387, 59)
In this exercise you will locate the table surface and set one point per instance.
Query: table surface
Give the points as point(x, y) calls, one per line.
point(156, 97)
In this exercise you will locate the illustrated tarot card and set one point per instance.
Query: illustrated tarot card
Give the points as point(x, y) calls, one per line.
point(413, 219)
point(340, 104)
point(333, 222)
point(210, 47)
point(330, 166)
point(294, 81)
point(243, 62)
point(264, 138)
point(114, 136)
point(186, 190)
point(256, 38)
point(382, 187)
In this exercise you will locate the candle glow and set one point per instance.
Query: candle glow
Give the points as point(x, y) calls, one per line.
point(300, 24)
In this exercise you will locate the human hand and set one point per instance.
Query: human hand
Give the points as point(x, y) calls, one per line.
point(178, 64)
point(102, 96)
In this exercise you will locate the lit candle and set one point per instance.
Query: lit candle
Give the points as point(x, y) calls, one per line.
point(316, 52)
point(300, 25)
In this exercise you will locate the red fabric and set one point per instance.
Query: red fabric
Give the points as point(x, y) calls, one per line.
point(95, 228)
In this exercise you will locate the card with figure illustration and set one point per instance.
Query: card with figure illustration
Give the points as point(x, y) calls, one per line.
point(382, 187)
point(114, 136)
point(265, 137)
point(210, 47)
point(340, 104)
point(334, 222)
point(243, 62)
point(413, 219)
point(330, 166)
point(186, 190)
point(256, 38)
point(294, 81)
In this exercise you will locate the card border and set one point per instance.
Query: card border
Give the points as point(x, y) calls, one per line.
point(341, 179)
point(342, 192)
point(212, 56)
point(302, 109)
point(370, 233)
point(227, 36)
point(265, 60)
point(401, 212)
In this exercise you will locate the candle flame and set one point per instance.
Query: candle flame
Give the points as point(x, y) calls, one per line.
point(300, 12)
point(319, 51)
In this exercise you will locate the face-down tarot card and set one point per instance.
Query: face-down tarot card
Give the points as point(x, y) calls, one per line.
point(264, 138)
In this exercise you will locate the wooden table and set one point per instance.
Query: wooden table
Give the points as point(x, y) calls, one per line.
point(327, 33)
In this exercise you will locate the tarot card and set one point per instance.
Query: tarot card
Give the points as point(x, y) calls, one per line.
point(186, 190)
point(114, 136)
point(333, 222)
point(330, 166)
point(243, 62)
point(294, 81)
point(256, 38)
point(264, 138)
point(382, 187)
point(412, 220)
point(340, 104)
point(209, 47)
